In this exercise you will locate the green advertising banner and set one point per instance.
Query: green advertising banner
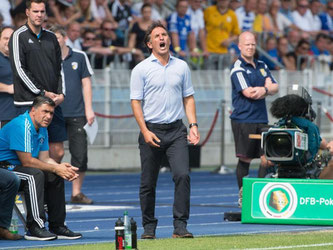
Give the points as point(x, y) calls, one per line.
point(287, 201)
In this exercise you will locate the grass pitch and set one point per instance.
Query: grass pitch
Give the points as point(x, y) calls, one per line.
point(303, 240)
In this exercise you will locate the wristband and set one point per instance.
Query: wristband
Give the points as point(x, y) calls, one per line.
point(177, 49)
point(266, 89)
point(193, 124)
point(111, 47)
point(196, 50)
point(42, 92)
point(133, 50)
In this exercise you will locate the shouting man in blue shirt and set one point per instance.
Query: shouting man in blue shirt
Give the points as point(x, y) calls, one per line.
point(251, 83)
point(161, 93)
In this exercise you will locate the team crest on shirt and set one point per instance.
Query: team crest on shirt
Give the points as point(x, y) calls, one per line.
point(41, 140)
point(74, 65)
point(263, 72)
point(228, 19)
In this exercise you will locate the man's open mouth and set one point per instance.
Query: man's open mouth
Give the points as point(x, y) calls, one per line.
point(162, 44)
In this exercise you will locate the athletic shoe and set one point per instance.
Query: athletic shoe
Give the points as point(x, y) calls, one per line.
point(37, 233)
point(5, 234)
point(63, 233)
point(149, 233)
point(81, 199)
point(181, 232)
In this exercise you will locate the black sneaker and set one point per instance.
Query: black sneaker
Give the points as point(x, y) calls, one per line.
point(181, 232)
point(64, 233)
point(149, 233)
point(37, 233)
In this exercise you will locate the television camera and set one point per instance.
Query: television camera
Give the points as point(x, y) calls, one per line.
point(292, 144)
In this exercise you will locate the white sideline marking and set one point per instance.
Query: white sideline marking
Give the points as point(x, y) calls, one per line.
point(295, 246)
point(90, 208)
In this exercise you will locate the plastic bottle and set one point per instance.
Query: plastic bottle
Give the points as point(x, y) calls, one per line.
point(14, 223)
point(128, 233)
point(119, 229)
point(134, 235)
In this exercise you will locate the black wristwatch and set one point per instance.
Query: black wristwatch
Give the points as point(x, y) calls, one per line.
point(193, 124)
point(42, 92)
point(266, 89)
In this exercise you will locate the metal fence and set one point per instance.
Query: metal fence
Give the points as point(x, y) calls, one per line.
point(111, 97)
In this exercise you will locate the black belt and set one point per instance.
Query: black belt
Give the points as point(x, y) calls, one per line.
point(164, 125)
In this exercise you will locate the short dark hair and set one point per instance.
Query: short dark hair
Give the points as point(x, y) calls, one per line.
point(4, 28)
point(301, 42)
point(145, 5)
point(150, 30)
point(29, 2)
point(40, 100)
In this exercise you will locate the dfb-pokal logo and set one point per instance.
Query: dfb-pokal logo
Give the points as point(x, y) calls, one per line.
point(278, 200)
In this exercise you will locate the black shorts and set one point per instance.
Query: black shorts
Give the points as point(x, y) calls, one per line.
point(57, 128)
point(77, 142)
point(244, 146)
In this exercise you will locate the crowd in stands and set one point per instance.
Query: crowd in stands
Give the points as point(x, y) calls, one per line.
point(292, 34)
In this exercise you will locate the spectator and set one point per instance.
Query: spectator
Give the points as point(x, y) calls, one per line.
point(246, 15)
point(278, 54)
point(251, 83)
point(138, 31)
point(7, 107)
point(320, 45)
point(84, 16)
point(162, 9)
point(261, 22)
point(315, 9)
point(63, 13)
point(162, 130)
point(74, 35)
point(182, 36)
point(300, 58)
point(9, 185)
point(294, 36)
point(198, 24)
point(302, 16)
point(100, 11)
point(287, 9)
point(279, 21)
point(122, 14)
point(136, 10)
point(326, 18)
point(235, 4)
point(5, 13)
point(220, 19)
point(77, 109)
point(24, 145)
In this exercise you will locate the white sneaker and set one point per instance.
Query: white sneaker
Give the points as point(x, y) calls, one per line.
point(164, 169)
point(225, 170)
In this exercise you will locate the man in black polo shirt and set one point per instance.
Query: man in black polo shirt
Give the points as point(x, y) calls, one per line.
point(77, 109)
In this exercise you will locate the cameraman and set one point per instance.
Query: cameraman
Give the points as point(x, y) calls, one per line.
point(251, 83)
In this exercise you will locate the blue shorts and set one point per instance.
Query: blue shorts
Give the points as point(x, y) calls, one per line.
point(57, 128)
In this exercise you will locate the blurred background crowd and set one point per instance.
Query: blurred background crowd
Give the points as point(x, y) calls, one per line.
point(291, 34)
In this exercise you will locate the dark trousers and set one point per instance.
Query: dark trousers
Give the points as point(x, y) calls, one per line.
point(42, 187)
point(174, 145)
point(9, 185)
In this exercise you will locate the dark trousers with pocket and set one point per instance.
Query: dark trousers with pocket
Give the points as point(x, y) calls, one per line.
point(174, 145)
point(42, 188)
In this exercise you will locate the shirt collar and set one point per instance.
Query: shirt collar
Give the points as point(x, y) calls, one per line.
point(153, 58)
point(246, 63)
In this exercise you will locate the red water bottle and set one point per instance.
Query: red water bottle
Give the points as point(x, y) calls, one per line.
point(120, 234)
